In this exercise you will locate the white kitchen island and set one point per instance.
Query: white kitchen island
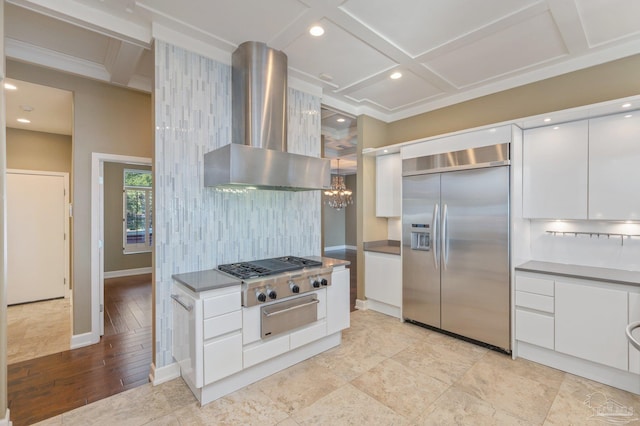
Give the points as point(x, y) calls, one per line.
point(218, 344)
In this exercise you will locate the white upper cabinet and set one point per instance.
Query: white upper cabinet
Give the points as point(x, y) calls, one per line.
point(614, 167)
point(388, 184)
point(555, 171)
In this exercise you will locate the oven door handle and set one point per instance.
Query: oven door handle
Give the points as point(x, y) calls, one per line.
point(289, 309)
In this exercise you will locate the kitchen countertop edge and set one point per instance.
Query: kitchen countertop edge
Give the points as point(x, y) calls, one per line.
point(383, 246)
point(212, 279)
point(616, 276)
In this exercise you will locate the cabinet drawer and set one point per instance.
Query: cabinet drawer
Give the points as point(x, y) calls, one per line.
point(534, 285)
point(534, 301)
point(222, 357)
point(309, 334)
point(265, 350)
point(534, 328)
point(223, 304)
point(222, 324)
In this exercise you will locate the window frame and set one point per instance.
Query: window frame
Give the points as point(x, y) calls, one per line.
point(147, 245)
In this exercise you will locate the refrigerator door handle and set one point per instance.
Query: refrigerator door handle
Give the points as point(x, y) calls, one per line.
point(444, 249)
point(434, 227)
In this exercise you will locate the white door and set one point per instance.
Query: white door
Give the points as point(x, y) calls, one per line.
point(35, 237)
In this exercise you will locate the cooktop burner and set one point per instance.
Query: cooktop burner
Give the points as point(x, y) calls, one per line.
point(264, 267)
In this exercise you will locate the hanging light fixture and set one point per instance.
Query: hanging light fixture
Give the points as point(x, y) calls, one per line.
point(339, 195)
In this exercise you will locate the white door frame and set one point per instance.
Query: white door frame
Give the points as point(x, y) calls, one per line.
point(97, 237)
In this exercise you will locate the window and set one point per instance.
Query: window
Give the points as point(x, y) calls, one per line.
point(138, 211)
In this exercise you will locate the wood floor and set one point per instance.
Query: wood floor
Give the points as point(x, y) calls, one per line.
point(351, 256)
point(50, 385)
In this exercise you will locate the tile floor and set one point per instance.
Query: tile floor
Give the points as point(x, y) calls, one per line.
point(38, 329)
point(384, 373)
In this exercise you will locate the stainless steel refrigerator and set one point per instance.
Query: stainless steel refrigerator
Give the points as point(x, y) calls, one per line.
point(455, 254)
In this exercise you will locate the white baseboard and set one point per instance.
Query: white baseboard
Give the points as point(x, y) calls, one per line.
point(5, 421)
point(384, 308)
point(343, 247)
point(164, 374)
point(84, 339)
point(361, 305)
point(128, 272)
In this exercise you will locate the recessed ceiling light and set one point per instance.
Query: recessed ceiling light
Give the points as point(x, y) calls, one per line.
point(316, 31)
point(556, 128)
point(24, 120)
point(10, 86)
point(385, 151)
point(628, 116)
point(396, 75)
point(546, 120)
point(492, 130)
point(627, 105)
point(26, 108)
point(340, 120)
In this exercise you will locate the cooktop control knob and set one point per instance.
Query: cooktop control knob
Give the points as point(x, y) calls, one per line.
point(261, 296)
point(272, 294)
point(295, 288)
point(324, 282)
point(315, 283)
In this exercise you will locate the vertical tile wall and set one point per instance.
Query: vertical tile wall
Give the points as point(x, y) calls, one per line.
point(197, 227)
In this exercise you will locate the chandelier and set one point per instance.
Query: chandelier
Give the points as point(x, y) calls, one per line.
point(339, 195)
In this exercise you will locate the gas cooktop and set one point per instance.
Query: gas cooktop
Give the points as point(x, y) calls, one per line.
point(265, 267)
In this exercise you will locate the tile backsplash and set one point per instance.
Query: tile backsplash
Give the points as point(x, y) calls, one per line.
point(197, 227)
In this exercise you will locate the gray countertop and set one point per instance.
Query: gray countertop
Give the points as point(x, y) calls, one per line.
point(617, 276)
point(383, 246)
point(209, 279)
point(212, 279)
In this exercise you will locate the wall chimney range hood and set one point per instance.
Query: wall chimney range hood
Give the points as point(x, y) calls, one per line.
point(257, 155)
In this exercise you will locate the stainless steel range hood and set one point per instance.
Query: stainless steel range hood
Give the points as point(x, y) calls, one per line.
point(257, 156)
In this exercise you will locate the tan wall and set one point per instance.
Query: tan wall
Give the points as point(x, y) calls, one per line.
point(106, 119)
point(334, 226)
point(351, 213)
point(29, 150)
point(3, 272)
point(609, 81)
point(114, 258)
point(372, 133)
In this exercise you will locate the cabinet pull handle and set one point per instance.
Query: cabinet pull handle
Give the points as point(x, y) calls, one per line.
point(181, 303)
point(632, 340)
point(292, 308)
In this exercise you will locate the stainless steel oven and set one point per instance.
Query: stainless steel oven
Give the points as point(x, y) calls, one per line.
point(284, 316)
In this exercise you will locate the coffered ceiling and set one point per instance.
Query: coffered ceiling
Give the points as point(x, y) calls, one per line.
point(447, 51)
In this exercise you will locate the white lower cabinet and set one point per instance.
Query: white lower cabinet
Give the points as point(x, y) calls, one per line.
point(338, 301)
point(383, 282)
point(222, 357)
point(590, 323)
point(634, 315)
point(577, 325)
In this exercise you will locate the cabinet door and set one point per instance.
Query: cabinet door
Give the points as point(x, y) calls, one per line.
point(388, 184)
point(614, 175)
point(383, 278)
point(555, 171)
point(590, 323)
point(338, 301)
point(222, 357)
point(634, 315)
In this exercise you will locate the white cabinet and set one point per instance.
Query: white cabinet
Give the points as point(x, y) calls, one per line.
point(534, 321)
point(338, 301)
point(555, 171)
point(207, 338)
point(590, 323)
point(634, 315)
point(388, 185)
point(614, 174)
point(383, 282)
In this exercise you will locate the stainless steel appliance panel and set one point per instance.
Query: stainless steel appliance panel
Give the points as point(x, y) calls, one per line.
point(475, 255)
point(420, 268)
point(280, 317)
